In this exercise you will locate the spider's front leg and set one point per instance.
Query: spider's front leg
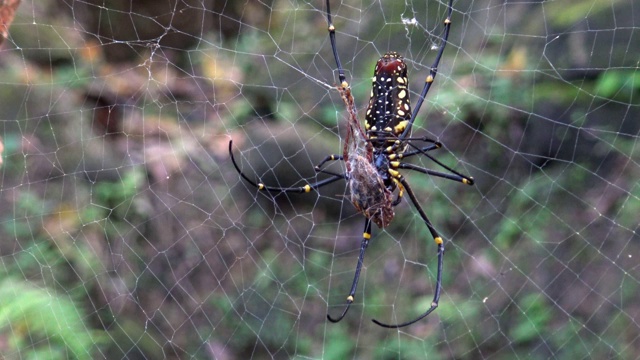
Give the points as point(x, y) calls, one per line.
point(439, 242)
point(366, 236)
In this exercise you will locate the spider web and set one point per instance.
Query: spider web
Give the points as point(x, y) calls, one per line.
point(126, 233)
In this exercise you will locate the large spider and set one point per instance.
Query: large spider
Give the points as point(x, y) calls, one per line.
point(372, 157)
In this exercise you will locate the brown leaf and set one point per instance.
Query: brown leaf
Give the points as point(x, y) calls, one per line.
point(7, 11)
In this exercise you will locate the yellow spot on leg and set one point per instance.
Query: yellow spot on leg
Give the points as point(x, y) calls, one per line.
point(438, 240)
point(350, 298)
point(366, 236)
point(400, 187)
point(307, 188)
point(260, 186)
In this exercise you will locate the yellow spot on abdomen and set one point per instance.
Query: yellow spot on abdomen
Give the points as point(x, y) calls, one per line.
point(401, 126)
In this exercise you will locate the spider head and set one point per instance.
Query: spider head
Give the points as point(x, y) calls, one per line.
point(381, 163)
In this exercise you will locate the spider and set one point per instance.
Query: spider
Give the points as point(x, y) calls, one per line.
point(373, 157)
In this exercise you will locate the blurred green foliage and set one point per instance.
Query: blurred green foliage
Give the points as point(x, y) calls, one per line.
point(37, 323)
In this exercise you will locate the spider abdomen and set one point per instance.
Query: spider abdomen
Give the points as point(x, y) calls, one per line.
point(389, 109)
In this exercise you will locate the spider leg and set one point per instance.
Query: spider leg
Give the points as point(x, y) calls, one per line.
point(400, 155)
point(332, 37)
point(300, 189)
point(332, 157)
point(433, 71)
point(455, 176)
point(415, 152)
point(363, 247)
point(439, 242)
point(385, 135)
point(464, 179)
point(398, 199)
